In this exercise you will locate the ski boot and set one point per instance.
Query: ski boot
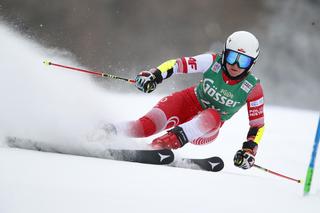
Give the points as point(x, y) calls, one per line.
point(173, 139)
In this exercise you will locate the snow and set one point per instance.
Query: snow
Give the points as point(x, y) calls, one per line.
point(63, 108)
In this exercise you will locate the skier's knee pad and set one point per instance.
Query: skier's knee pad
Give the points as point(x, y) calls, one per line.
point(209, 123)
point(209, 120)
point(206, 122)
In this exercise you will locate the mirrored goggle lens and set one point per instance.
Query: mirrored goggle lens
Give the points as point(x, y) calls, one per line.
point(231, 57)
point(243, 61)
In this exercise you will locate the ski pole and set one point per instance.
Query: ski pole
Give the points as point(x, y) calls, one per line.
point(275, 173)
point(102, 74)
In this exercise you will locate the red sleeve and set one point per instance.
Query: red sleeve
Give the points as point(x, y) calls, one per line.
point(255, 104)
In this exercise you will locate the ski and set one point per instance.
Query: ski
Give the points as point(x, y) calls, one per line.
point(156, 157)
point(166, 157)
point(213, 164)
point(163, 156)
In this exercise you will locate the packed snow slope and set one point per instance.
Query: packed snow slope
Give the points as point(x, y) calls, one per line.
point(63, 109)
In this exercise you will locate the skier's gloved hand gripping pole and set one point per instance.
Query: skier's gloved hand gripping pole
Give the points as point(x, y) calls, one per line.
point(245, 159)
point(146, 81)
point(102, 74)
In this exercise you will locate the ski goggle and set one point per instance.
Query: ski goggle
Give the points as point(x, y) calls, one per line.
point(244, 61)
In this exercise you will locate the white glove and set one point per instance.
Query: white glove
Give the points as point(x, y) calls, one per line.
point(146, 81)
point(243, 159)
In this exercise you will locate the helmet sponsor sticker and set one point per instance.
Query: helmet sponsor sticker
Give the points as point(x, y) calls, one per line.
point(241, 50)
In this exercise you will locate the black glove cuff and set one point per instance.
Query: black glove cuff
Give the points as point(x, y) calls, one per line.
point(157, 74)
point(251, 145)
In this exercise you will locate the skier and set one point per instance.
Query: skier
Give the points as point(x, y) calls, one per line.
point(197, 113)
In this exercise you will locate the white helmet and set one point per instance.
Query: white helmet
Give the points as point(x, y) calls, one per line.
point(243, 42)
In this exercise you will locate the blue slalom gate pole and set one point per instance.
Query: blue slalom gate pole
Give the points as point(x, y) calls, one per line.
point(307, 184)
